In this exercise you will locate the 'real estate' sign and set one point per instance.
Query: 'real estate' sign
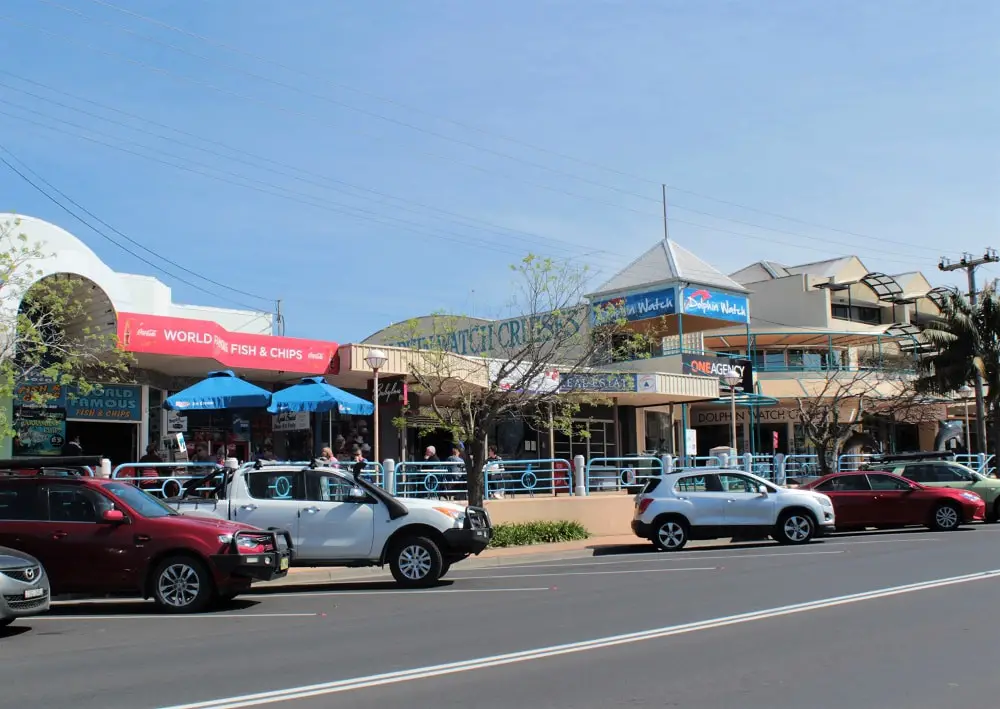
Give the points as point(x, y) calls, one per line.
point(716, 304)
point(635, 306)
point(603, 382)
point(718, 367)
point(184, 337)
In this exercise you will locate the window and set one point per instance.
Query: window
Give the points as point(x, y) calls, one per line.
point(951, 473)
point(736, 483)
point(841, 312)
point(323, 487)
point(917, 473)
point(275, 484)
point(142, 502)
point(21, 501)
point(887, 483)
point(699, 483)
point(845, 483)
point(76, 503)
point(872, 316)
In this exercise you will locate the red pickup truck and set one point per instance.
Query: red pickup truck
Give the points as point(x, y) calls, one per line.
point(106, 537)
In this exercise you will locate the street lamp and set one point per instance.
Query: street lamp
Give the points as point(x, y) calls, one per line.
point(376, 359)
point(732, 381)
point(967, 392)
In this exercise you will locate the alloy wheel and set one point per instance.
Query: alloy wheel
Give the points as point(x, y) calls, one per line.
point(797, 528)
point(946, 517)
point(670, 534)
point(414, 562)
point(179, 585)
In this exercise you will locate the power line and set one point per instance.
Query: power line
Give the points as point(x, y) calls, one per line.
point(269, 80)
point(96, 230)
point(461, 124)
point(297, 196)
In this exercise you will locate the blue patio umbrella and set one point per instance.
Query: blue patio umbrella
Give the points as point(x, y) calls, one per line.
point(315, 395)
point(220, 390)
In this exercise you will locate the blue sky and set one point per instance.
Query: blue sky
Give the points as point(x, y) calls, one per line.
point(872, 124)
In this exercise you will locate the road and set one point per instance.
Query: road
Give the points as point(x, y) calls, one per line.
point(762, 627)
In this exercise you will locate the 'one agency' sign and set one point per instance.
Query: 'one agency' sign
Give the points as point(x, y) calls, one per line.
point(719, 367)
point(715, 304)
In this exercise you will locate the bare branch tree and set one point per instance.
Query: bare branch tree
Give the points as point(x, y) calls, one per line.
point(516, 371)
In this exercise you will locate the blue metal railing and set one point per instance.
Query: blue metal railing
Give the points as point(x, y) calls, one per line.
point(546, 476)
point(440, 479)
point(624, 473)
point(163, 479)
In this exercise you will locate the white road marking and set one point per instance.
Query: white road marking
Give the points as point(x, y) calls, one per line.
point(589, 573)
point(394, 592)
point(651, 557)
point(167, 616)
point(356, 683)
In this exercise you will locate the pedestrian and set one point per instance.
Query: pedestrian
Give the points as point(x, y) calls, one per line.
point(430, 455)
point(327, 455)
point(358, 468)
point(496, 472)
point(73, 447)
point(152, 455)
point(149, 475)
point(456, 470)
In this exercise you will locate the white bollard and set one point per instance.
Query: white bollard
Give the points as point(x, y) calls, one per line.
point(579, 473)
point(389, 475)
point(668, 464)
point(105, 470)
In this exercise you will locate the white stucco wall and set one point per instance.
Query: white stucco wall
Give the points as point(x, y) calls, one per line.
point(65, 253)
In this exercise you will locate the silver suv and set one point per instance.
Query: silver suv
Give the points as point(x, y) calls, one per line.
point(24, 586)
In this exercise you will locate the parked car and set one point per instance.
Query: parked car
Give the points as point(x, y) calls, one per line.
point(97, 536)
point(24, 586)
point(877, 499)
point(710, 503)
point(948, 473)
point(337, 520)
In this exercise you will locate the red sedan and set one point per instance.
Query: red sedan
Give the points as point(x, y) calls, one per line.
point(867, 499)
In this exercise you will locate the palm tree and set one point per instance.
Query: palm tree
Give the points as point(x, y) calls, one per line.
point(967, 342)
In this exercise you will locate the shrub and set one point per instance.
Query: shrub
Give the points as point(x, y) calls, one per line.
point(524, 533)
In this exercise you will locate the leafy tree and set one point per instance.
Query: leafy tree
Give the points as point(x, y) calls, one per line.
point(517, 375)
point(47, 329)
point(967, 343)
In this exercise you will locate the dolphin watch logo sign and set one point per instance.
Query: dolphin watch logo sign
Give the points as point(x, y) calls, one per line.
point(718, 305)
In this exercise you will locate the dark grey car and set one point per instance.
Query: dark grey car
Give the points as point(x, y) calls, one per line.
point(24, 586)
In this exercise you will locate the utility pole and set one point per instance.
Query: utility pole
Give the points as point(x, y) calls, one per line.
point(278, 328)
point(969, 264)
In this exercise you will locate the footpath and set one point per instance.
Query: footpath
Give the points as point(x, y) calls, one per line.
point(492, 558)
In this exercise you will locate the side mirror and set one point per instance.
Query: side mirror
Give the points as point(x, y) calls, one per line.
point(762, 490)
point(357, 495)
point(113, 517)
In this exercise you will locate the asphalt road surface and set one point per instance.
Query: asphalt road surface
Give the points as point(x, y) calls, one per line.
point(880, 621)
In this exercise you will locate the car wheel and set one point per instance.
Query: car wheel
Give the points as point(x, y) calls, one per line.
point(416, 562)
point(671, 535)
point(795, 527)
point(946, 517)
point(182, 584)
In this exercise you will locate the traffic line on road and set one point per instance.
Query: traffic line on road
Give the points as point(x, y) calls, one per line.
point(397, 592)
point(651, 557)
point(168, 616)
point(588, 573)
point(389, 678)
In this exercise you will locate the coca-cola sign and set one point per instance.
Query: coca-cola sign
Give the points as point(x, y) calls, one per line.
point(184, 337)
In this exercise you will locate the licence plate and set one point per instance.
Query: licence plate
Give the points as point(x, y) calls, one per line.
point(283, 565)
point(34, 593)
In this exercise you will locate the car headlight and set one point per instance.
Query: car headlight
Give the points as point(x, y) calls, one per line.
point(457, 516)
point(970, 497)
point(825, 501)
point(225, 538)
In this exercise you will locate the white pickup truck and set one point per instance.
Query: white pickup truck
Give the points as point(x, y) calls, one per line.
point(337, 520)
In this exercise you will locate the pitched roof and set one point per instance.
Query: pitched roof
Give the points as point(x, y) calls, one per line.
point(666, 262)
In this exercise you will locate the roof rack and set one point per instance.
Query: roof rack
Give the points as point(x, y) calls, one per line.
point(926, 455)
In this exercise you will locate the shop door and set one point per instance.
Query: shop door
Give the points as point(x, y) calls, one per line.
point(600, 443)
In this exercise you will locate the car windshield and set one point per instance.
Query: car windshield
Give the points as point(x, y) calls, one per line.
point(140, 501)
